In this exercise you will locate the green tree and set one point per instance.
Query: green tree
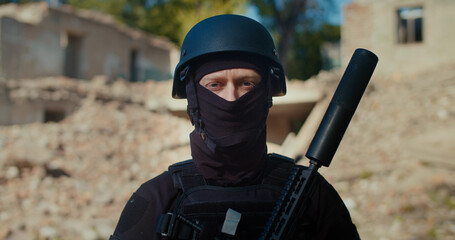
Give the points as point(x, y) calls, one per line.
point(297, 28)
point(282, 17)
point(170, 18)
point(304, 58)
point(190, 12)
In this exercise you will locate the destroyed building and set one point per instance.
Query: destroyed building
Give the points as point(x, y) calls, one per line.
point(39, 41)
point(409, 36)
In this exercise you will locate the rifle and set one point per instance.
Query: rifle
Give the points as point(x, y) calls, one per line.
point(293, 201)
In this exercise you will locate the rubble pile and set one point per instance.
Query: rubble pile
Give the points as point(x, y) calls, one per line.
point(70, 180)
point(98, 88)
point(395, 166)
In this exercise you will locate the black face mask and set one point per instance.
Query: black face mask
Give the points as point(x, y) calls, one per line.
point(229, 141)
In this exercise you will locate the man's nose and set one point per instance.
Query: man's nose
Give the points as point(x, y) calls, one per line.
point(231, 93)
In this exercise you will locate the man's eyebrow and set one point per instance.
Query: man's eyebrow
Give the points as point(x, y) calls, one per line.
point(213, 74)
point(211, 78)
point(251, 77)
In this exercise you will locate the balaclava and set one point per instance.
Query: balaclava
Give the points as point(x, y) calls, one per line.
point(228, 143)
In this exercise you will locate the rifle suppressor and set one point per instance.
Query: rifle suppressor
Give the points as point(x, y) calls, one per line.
point(342, 107)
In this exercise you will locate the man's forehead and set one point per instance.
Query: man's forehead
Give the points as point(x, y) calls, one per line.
point(241, 72)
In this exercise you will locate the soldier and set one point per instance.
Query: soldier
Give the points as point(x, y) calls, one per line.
point(228, 72)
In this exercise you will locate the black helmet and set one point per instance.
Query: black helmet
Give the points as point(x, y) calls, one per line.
point(228, 33)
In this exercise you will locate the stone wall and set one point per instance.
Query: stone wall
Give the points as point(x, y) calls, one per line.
point(373, 25)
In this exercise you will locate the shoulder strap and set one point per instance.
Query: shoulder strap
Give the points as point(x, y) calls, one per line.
point(278, 169)
point(185, 175)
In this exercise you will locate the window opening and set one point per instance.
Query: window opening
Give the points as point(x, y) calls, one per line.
point(53, 115)
point(72, 56)
point(133, 66)
point(410, 24)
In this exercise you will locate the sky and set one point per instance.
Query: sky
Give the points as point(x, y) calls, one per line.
point(336, 16)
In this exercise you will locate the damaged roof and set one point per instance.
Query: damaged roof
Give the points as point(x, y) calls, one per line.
point(34, 13)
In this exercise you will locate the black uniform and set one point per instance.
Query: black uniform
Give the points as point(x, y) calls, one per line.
point(326, 218)
point(232, 173)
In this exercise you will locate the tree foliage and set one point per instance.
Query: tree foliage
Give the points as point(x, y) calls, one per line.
point(305, 58)
point(170, 18)
point(299, 29)
point(283, 17)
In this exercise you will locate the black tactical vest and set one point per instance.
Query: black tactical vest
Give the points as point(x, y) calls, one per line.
point(205, 211)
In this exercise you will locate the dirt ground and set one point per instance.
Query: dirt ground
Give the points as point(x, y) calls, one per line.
point(70, 180)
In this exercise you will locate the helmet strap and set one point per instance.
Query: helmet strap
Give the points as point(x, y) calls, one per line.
point(193, 103)
point(194, 114)
point(270, 77)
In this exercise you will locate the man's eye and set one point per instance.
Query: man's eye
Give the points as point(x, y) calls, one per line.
point(249, 84)
point(212, 86)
